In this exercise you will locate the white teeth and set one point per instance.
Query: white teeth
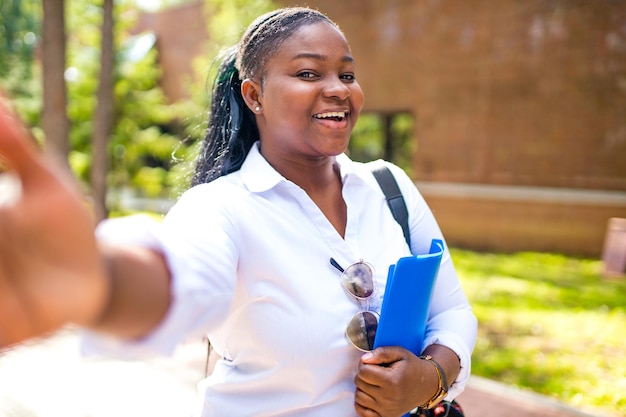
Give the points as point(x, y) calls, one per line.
point(340, 114)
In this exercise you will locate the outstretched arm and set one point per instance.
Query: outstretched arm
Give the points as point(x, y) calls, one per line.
point(52, 270)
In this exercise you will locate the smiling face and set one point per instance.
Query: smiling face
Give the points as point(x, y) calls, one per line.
point(308, 96)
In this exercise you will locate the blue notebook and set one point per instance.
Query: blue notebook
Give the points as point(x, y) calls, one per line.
point(406, 302)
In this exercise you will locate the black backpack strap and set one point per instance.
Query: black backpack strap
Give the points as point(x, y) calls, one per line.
point(395, 200)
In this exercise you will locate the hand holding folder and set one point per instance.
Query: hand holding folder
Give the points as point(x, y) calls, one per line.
point(406, 302)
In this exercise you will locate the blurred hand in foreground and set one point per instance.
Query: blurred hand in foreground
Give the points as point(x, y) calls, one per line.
point(51, 272)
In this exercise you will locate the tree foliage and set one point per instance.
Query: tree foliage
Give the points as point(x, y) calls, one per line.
point(20, 21)
point(368, 141)
point(153, 144)
point(227, 19)
point(143, 139)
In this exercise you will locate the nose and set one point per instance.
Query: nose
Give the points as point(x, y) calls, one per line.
point(336, 89)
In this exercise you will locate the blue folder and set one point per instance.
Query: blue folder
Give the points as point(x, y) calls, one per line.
point(406, 302)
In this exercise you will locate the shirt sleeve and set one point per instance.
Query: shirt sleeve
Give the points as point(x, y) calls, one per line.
point(140, 230)
point(201, 256)
point(451, 321)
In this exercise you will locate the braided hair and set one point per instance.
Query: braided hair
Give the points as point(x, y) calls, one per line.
point(232, 128)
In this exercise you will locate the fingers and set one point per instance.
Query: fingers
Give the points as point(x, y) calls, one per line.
point(385, 406)
point(369, 388)
point(386, 380)
point(365, 403)
point(388, 365)
point(362, 411)
point(385, 355)
point(16, 149)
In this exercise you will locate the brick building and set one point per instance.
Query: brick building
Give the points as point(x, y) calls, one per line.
point(519, 109)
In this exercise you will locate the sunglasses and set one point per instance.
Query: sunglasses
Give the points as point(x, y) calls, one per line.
point(358, 281)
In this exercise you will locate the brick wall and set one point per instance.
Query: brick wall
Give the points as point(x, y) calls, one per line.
point(181, 33)
point(526, 95)
point(503, 92)
point(528, 98)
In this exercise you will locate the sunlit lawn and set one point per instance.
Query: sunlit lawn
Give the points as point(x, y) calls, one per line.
point(549, 323)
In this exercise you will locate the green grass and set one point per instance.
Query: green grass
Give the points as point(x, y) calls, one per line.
point(549, 323)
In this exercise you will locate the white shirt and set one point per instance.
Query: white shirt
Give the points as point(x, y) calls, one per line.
point(249, 255)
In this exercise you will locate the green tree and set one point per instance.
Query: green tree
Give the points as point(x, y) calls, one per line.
point(55, 123)
point(143, 136)
point(228, 19)
point(20, 22)
point(19, 25)
point(103, 119)
point(386, 136)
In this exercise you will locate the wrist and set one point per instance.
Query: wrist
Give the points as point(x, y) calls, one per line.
point(442, 383)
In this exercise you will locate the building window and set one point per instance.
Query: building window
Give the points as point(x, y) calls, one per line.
point(386, 136)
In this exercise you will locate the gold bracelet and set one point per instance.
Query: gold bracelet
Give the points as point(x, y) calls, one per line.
point(442, 389)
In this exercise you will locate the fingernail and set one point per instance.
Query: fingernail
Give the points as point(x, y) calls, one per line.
point(367, 356)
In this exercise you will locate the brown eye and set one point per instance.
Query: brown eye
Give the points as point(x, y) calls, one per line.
point(348, 77)
point(307, 74)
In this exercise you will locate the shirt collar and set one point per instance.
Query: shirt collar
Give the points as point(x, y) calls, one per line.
point(259, 176)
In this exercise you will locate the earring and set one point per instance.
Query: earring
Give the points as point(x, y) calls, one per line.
point(257, 108)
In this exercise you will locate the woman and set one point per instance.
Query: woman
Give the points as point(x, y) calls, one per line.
point(244, 254)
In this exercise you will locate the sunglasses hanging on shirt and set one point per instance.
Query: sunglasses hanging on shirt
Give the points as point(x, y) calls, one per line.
point(358, 281)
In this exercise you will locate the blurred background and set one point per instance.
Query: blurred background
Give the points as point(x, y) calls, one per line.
point(509, 115)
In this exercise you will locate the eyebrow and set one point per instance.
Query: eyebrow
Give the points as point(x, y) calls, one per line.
point(320, 57)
